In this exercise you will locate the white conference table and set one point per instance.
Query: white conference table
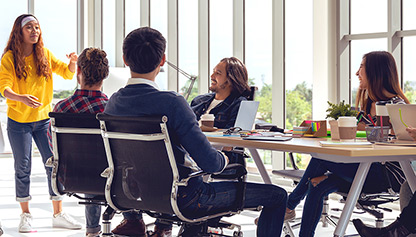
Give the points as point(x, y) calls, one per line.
point(365, 156)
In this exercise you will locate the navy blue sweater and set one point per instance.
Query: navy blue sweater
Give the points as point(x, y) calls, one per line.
point(184, 132)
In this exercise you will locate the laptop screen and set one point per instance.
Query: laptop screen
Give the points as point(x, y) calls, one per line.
point(246, 115)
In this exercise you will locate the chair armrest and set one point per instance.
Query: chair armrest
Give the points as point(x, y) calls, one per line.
point(184, 181)
point(231, 171)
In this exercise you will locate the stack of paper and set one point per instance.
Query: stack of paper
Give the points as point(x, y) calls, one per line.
point(346, 144)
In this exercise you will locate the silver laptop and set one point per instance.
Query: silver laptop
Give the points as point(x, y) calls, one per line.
point(246, 115)
point(407, 117)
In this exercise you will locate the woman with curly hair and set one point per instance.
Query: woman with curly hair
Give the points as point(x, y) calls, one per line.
point(26, 81)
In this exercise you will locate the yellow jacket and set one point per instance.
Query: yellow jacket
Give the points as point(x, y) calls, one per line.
point(33, 85)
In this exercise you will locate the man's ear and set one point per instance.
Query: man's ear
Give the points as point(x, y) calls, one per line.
point(163, 60)
point(78, 70)
point(124, 60)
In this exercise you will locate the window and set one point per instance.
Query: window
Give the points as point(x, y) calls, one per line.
point(298, 67)
point(59, 35)
point(109, 30)
point(158, 21)
point(409, 71)
point(358, 49)
point(221, 30)
point(188, 44)
point(132, 15)
point(298, 61)
point(7, 18)
point(258, 46)
point(409, 17)
point(368, 16)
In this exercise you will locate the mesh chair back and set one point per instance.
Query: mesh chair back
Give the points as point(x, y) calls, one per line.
point(141, 162)
point(79, 153)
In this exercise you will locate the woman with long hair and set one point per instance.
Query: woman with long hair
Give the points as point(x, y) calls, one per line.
point(378, 82)
point(26, 81)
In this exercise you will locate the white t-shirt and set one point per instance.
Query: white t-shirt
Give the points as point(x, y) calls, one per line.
point(213, 104)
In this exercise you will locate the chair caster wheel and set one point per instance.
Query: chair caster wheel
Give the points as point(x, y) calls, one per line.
point(238, 234)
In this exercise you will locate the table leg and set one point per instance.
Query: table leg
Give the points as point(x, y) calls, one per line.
point(260, 166)
point(409, 173)
point(352, 198)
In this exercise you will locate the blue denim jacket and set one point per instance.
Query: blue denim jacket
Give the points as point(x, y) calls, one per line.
point(225, 113)
point(185, 134)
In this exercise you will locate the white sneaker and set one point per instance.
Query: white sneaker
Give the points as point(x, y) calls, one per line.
point(25, 225)
point(63, 220)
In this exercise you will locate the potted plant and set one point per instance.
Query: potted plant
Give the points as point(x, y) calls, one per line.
point(335, 111)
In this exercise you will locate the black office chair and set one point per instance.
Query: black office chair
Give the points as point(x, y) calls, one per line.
point(252, 94)
point(142, 173)
point(79, 159)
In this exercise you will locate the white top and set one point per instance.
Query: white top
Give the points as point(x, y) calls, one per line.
point(213, 104)
point(133, 81)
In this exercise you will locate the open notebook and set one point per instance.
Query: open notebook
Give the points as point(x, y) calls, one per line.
point(401, 116)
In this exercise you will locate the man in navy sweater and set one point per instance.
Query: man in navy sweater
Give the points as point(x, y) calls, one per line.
point(144, 53)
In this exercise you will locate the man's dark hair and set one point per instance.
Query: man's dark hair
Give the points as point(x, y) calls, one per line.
point(143, 49)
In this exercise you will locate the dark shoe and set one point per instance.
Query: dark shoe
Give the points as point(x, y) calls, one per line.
point(161, 232)
point(395, 229)
point(135, 228)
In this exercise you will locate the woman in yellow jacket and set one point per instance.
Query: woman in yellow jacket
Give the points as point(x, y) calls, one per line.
point(26, 81)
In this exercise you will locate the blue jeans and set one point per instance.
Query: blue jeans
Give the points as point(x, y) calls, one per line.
point(340, 177)
point(220, 196)
point(20, 136)
point(92, 216)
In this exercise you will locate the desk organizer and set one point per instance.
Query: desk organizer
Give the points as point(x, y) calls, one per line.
point(316, 128)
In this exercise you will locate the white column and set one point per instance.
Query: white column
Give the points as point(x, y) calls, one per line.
point(238, 29)
point(95, 24)
point(343, 51)
point(394, 41)
point(173, 44)
point(81, 25)
point(144, 13)
point(203, 46)
point(31, 6)
point(278, 74)
point(120, 32)
point(324, 57)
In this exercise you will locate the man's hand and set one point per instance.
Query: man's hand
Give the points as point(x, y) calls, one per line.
point(226, 157)
point(412, 132)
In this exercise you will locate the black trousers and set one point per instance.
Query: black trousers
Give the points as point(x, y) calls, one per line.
point(408, 215)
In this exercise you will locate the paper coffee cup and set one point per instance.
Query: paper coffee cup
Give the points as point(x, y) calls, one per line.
point(381, 110)
point(347, 127)
point(345, 121)
point(208, 120)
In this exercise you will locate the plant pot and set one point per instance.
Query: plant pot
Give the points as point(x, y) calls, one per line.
point(334, 129)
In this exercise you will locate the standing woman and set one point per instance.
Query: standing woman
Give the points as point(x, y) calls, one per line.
point(26, 81)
